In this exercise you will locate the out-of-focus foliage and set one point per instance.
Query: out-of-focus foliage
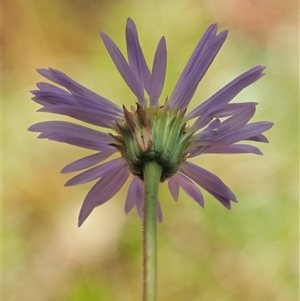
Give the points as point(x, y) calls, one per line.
point(249, 253)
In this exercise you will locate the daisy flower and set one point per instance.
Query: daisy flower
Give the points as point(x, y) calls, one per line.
point(154, 131)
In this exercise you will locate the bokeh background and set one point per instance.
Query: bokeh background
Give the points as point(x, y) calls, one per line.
point(249, 253)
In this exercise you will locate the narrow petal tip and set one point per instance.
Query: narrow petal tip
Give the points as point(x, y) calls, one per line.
point(80, 222)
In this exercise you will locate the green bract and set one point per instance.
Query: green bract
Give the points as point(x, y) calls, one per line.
point(153, 134)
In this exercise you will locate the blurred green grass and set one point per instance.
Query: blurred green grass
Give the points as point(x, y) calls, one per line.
point(248, 253)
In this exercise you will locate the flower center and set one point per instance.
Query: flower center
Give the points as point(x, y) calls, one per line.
point(153, 134)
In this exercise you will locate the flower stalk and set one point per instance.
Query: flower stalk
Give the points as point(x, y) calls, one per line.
point(152, 175)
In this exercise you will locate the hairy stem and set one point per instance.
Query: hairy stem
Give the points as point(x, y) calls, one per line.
point(152, 175)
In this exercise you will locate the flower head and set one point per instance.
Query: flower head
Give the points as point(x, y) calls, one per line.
point(153, 131)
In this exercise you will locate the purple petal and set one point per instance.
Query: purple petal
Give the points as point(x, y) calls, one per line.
point(234, 149)
point(196, 151)
point(221, 111)
point(73, 134)
point(123, 68)
point(87, 161)
point(258, 138)
point(221, 132)
point(139, 201)
point(46, 87)
point(254, 130)
point(208, 181)
point(49, 94)
point(96, 172)
point(245, 133)
point(136, 57)
point(223, 200)
point(201, 46)
point(190, 188)
point(99, 118)
point(236, 121)
point(135, 197)
point(78, 90)
point(174, 188)
point(227, 93)
point(158, 72)
point(131, 195)
point(51, 99)
point(61, 98)
point(47, 98)
point(103, 191)
point(196, 67)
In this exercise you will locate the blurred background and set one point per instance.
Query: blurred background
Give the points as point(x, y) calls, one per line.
point(249, 253)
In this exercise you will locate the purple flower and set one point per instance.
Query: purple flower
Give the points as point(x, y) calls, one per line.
point(153, 131)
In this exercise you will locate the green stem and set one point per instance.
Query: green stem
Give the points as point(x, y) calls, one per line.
point(152, 175)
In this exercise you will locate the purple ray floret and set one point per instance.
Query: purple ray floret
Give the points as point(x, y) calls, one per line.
point(77, 102)
point(209, 182)
point(135, 196)
point(136, 57)
point(156, 130)
point(227, 93)
point(198, 64)
point(158, 72)
point(103, 190)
